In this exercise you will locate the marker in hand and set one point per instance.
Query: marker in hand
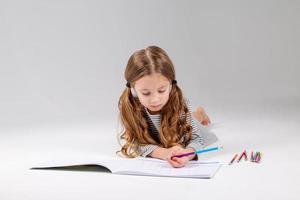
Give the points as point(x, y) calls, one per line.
point(197, 152)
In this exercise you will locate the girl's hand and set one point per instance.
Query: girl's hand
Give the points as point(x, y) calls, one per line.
point(178, 162)
point(201, 116)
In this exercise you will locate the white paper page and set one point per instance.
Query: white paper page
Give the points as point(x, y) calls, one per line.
point(155, 167)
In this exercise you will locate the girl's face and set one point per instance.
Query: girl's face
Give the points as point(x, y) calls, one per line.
point(153, 91)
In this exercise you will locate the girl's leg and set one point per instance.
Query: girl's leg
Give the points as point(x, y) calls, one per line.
point(201, 116)
point(201, 119)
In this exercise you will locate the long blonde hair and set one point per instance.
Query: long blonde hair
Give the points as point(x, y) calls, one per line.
point(174, 124)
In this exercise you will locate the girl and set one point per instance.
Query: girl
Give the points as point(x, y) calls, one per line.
point(156, 118)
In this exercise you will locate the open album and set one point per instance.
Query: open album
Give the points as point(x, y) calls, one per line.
point(140, 166)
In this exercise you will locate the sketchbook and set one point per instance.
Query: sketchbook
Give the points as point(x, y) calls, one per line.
point(141, 166)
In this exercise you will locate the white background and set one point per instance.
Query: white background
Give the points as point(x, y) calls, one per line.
point(61, 74)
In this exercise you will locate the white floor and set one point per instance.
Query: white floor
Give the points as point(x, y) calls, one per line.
point(271, 129)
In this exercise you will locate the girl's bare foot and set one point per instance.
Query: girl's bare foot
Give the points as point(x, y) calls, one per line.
point(201, 116)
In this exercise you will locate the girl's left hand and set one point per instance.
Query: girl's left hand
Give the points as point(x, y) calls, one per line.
point(179, 162)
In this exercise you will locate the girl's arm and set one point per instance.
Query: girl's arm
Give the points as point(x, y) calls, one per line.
point(197, 140)
point(160, 153)
point(146, 150)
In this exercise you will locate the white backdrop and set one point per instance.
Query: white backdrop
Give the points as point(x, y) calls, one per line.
point(61, 74)
point(63, 61)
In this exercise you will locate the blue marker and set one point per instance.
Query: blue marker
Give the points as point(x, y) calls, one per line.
point(197, 152)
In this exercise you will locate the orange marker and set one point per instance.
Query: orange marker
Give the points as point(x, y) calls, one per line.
point(233, 159)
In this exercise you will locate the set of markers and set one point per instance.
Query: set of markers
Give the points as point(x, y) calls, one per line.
point(255, 157)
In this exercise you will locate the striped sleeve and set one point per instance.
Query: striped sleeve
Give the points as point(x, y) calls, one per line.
point(145, 150)
point(197, 141)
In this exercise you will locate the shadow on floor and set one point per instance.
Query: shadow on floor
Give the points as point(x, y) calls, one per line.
point(81, 168)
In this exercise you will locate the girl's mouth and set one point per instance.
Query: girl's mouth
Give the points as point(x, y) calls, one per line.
point(156, 106)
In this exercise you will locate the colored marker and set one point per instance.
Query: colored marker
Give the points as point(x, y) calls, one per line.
point(197, 152)
point(260, 155)
point(252, 157)
point(241, 156)
point(257, 159)
point(245, 154)
point(233, 159)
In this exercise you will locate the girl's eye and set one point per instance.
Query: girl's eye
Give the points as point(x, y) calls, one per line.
point(147, 94)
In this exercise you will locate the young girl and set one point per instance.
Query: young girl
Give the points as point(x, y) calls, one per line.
point(155, 116)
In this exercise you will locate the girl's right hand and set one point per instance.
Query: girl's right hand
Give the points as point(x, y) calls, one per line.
point(167, 153)
point(177, 162)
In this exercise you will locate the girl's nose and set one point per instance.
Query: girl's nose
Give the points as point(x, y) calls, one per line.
point(154, 99)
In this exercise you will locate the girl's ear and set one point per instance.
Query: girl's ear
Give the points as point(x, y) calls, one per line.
point(133, 92)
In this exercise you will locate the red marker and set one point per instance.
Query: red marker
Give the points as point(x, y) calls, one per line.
point(240, 157)
point(245, 154)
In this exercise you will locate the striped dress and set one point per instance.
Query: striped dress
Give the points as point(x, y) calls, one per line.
point(196, 141)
